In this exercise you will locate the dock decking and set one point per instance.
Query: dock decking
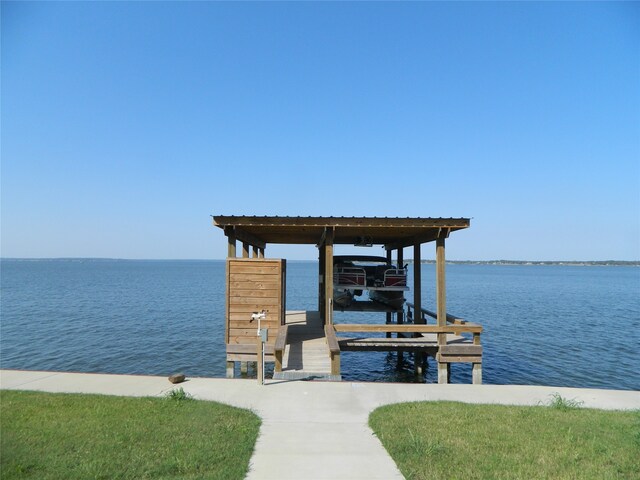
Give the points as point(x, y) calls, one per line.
point(306, 354)
point(306, 346)
point(427, 342)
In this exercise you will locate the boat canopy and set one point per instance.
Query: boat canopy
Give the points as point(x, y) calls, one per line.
point(391, 232)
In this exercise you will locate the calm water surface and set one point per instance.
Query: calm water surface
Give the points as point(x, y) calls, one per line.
point(544, 325)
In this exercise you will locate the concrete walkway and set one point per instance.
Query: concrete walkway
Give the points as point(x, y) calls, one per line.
point(314, 430)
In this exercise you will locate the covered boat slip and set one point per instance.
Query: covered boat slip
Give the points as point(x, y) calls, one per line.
point(308, 344)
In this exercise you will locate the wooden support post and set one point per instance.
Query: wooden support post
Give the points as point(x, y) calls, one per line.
point(254, 251)
point(334, 349)
point(441, 294)
point(400, 265)
point(400, 359)
point(261, 253)
point(477, 367)
point(388, 322)
point(245, 250)
point(400, 313)
point(418, 363)
point(231, 238)
point(243, 367)
point(231, 253)
point(389, 315)
point(476, 374)
point(441, 306)
point(335, 363)
point(321, 267)
point(328, 278)
point(417, 284)
point(417, 302)
point(443, 373)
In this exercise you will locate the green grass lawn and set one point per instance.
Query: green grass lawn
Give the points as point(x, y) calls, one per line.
point(61, 436)
point(448, 440)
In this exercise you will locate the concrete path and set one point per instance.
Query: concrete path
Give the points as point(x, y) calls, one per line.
point(314, 430)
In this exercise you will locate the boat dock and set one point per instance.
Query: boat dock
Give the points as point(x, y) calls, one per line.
point(307, 344)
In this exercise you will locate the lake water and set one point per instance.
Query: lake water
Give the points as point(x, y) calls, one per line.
point(543, 325)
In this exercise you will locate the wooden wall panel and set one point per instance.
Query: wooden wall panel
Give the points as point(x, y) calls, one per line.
point(253, 284)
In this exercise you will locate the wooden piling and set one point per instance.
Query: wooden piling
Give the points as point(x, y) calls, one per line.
point(389, 314)
point(443, 373)
point(328, 277)
point(231, 242)
point(477, 374)
point(417, 302)
point(400, 314)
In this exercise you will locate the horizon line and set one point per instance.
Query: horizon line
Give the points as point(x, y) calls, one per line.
point(313, 260)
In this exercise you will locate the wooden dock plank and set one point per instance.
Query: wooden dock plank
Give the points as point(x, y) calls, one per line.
point(408, 328)
point(306, 352)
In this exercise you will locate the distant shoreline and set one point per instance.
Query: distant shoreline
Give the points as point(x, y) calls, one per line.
point(575, 263)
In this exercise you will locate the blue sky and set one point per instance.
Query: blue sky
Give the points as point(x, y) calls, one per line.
point(125, 125)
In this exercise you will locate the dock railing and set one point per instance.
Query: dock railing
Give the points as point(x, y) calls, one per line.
point(451, 319)
point(408, 328)
point(334, 348)
point(445, 352)
point(280, 345)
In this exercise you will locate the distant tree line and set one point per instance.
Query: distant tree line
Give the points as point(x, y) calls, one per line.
point(595, 263)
